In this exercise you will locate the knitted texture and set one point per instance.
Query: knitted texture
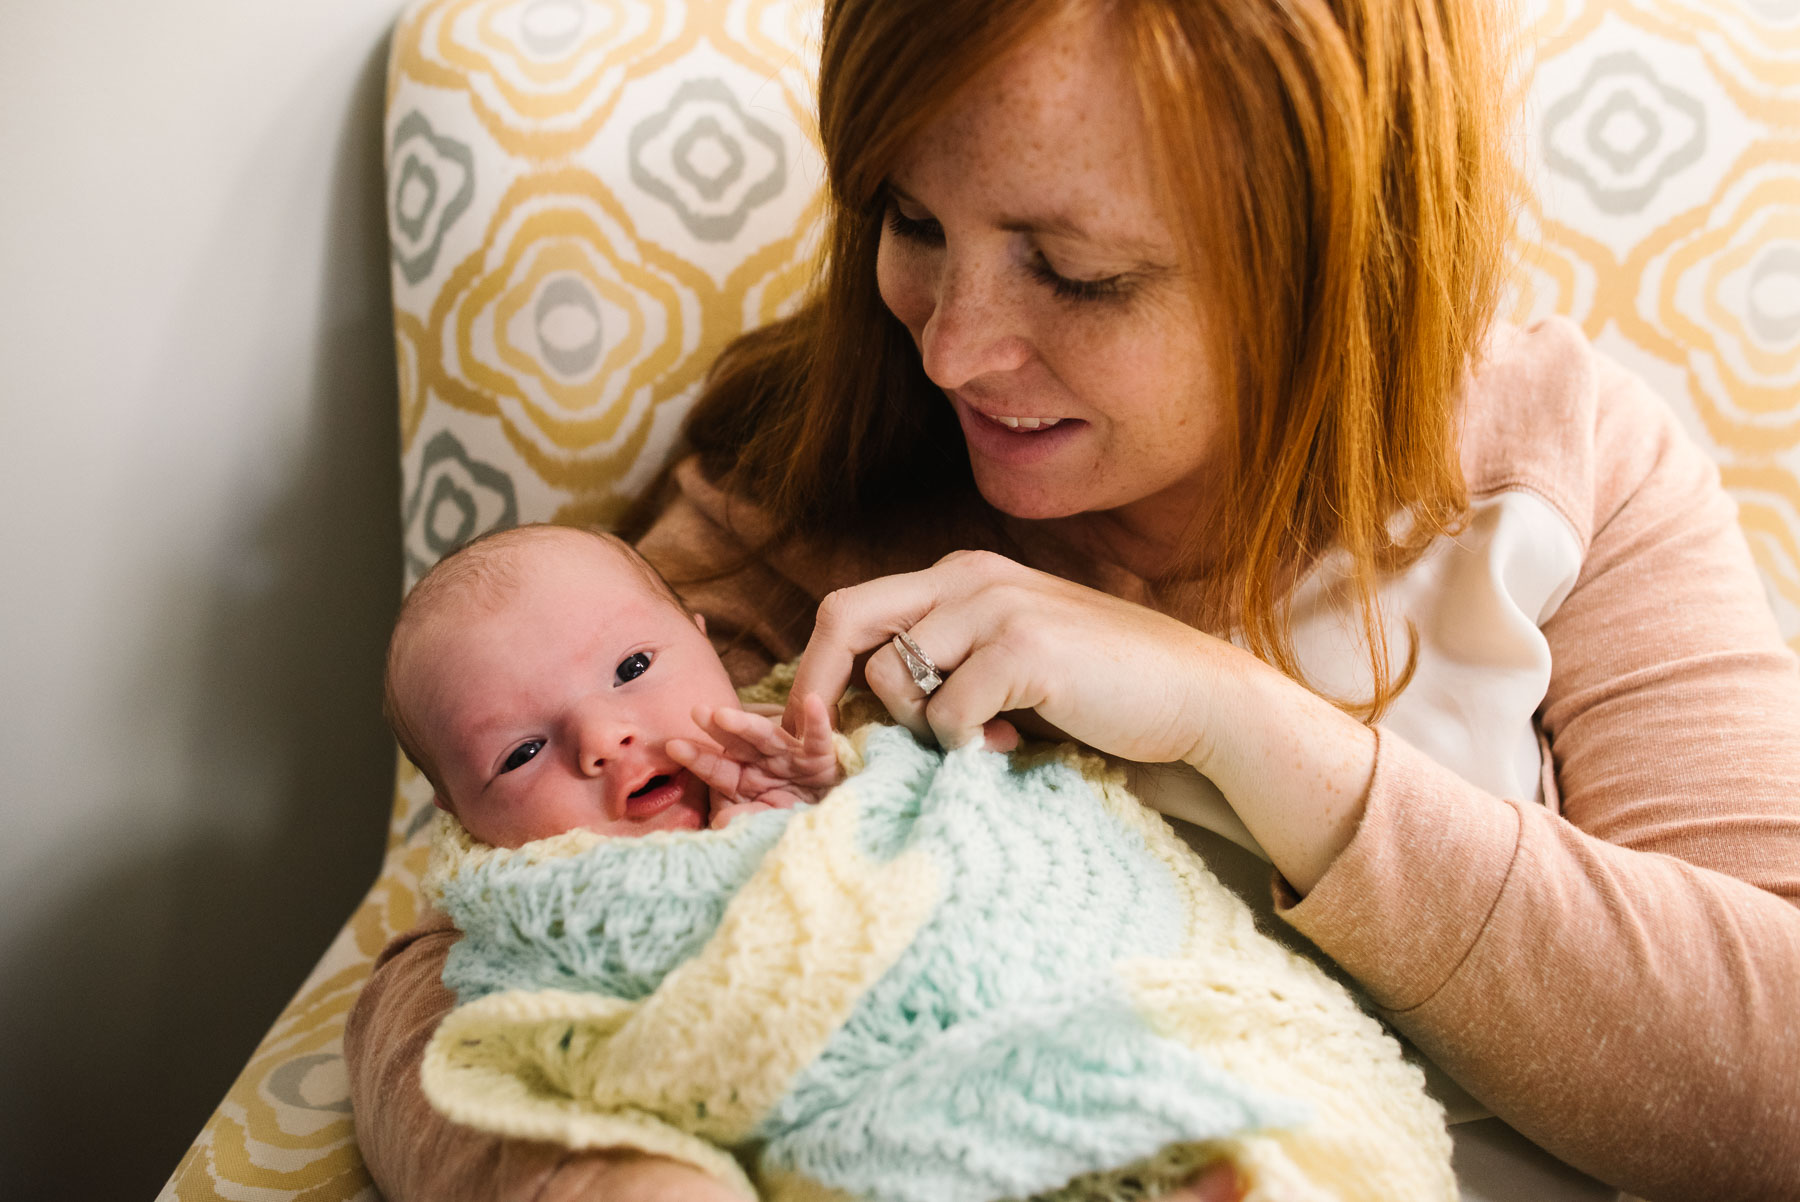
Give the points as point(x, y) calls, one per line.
point(957, 979)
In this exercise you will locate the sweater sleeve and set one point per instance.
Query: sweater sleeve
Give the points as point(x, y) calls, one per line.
point(411, 1150)
point(1620, 981)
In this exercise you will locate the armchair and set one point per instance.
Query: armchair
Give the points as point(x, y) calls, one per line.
point(588, 200)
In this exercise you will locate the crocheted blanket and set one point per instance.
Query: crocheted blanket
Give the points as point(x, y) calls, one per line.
point(958, 978)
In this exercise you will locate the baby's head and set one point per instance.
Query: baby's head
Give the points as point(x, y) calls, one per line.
point(535, 677)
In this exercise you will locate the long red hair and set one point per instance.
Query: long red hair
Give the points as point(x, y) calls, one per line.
point(1338, 165)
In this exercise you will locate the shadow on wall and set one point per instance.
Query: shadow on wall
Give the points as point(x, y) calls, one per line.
point(132, 1010)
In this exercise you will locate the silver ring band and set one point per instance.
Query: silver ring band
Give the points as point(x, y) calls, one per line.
point(918, 664)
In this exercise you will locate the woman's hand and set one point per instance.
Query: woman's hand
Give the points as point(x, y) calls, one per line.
point(1119, 677)
point(1114, 675)
point(642, 1178)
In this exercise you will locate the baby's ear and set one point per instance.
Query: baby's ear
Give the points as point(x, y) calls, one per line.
point(700, 622)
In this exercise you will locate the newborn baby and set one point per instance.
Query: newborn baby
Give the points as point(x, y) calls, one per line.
point(547, 679)
point(957, 978)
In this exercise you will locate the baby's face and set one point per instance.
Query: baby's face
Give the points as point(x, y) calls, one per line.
point(551, 710)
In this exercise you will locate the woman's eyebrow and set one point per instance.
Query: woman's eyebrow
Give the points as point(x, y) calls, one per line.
point(1058, 225)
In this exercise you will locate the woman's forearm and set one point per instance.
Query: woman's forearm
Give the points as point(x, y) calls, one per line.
point(1628, 1010)
point(1294, 767)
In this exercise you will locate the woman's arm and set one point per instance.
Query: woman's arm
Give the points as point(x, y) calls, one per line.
point(1127, 680)
point(1618, 981)
point(413, 1152)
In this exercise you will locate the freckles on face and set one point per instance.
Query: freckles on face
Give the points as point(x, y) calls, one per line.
point(1025, 251)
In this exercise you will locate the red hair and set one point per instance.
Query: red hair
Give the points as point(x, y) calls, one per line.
point(1339, 165)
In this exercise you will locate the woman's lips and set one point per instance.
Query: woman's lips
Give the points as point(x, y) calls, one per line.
point(1020, 445)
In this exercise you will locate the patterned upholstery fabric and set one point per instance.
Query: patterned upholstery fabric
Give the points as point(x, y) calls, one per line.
point(588, 198)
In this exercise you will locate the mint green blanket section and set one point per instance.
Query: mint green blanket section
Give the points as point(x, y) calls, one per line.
point(960, 978)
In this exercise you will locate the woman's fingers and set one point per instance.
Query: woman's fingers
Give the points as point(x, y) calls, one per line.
point(850, 622)
point(865, 617)
point(994, 679)
point(1006, 638)
point(889, 678)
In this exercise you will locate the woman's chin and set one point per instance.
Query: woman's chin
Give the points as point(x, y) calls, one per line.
point(1028, 500)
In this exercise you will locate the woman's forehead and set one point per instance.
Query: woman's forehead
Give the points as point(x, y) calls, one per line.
point(1049, 141)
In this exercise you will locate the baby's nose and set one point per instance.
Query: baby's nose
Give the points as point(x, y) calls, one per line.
point(600, 741)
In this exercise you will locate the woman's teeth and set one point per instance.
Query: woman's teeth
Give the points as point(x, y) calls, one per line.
point(1028, 423)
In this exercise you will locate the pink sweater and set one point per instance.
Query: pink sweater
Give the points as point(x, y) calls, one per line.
point(1611, 964)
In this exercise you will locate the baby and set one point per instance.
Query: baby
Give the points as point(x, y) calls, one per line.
point(959, 977)
point(547, 679)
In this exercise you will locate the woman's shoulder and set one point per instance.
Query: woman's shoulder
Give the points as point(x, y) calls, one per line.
point(1545, 412)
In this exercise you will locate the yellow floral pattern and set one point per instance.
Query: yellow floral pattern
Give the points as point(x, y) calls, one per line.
point(588, 198)
point(1664, 142)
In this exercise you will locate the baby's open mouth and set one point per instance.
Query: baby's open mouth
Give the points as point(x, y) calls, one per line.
point(655, 782)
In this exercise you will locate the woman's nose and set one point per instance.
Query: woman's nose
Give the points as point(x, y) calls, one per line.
point(973, 330)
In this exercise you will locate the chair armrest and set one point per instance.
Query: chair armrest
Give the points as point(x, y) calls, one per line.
point(284, 1129)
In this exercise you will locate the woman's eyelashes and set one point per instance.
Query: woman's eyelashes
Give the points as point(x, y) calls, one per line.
point(631, 667)
point(927, 232)
point(1108, 288)
point(921, 230)
point(521, 754)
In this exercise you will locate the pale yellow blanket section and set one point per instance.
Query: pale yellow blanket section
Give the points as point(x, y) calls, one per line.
point(1274, 1019)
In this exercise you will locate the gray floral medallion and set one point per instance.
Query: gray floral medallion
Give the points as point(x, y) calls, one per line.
point(1623, 133)
point(1772, 300)
point(549, 29)
point(431, 180)
point(300, 1081)
point(567, 320)
point(455, 498)
point(706, 158)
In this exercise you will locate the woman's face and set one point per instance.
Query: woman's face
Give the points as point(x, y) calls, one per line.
point(1024, 249)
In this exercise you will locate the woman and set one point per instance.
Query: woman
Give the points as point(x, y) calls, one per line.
point(1173, 321)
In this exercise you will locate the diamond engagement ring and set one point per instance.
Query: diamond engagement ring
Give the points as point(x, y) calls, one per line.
point(924, 672)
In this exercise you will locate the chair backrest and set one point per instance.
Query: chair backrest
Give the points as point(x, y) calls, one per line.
point(1663, 138)
point(587, 201)
point(589, 198)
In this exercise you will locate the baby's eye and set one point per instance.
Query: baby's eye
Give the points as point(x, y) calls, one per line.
point(521, 753)
point(633, 667)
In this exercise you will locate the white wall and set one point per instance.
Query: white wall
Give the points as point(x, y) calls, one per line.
point(198, 554)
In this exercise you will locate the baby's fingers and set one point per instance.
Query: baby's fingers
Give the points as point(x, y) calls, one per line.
point(758, 734)
point(718, 770)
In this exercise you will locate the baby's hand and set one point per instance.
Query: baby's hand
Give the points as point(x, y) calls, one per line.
point(758, 765)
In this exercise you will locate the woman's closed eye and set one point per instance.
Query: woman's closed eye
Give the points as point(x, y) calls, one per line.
point(927, 232)
point(521, 754)
point(914, 229)
point(1109, 287)
point(631, 667)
